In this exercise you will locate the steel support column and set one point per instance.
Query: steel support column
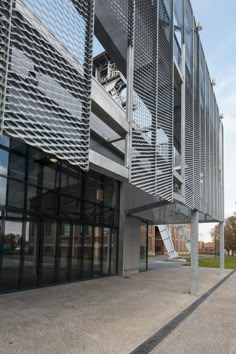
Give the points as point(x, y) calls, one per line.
point(222, 248)
point(194, 253)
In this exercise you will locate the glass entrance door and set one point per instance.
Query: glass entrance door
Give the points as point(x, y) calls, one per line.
point(31, 243)
point(76, 252)
point(106, 255)
point(87, 234)
point(48, 251)
point(97, 254)
point(64, 251)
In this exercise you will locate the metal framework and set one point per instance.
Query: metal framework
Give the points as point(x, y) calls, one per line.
point(45, 82)
point(150, 76)
point(163, 30)
point(204, 190)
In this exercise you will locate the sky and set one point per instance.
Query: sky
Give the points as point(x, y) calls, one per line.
point(219, 44)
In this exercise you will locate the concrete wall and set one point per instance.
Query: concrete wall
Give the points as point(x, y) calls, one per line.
point(129, 237)
point(132, 245)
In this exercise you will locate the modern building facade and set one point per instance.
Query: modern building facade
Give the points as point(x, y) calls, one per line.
point(91, 150)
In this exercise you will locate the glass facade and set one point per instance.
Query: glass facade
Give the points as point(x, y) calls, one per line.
point(57, 223)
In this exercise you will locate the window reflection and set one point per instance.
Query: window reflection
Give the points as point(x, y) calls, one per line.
point(87, 250)
point(114, 246)
point(97, 259)
point(4, 140)
point(79, 242)
point(10, 251)
point(106, 250)
point(17, 166)
point(3, 190)
point(35, 166)
point(49, 177)
point(31, 254)
point(16, 194)
point(4, 155)
point(64, 252)
point(48, 251)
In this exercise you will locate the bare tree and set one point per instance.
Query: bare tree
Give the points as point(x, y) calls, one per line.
point(215, 236)
point(230, 235)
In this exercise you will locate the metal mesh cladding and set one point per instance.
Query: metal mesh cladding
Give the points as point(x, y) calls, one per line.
point(152, 133)
point(189, 122)
point(120, 10)
point(196, 121)
point(204, 188)
point(46, 54)
point(152, 123)
point(178, 29)
point(203, 141)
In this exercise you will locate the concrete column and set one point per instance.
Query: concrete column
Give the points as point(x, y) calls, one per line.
point(222, 249)
point(129, 238)
point(194, 253)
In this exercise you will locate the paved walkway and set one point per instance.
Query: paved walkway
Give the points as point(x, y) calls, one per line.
point(210, 329)
point(110, 315)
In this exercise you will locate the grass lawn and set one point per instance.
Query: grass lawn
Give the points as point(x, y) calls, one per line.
point(230, 262)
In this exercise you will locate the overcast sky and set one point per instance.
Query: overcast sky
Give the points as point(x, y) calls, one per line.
point(219, 43)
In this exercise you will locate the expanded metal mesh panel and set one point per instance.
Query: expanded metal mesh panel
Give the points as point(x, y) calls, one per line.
point(211, 150)
point(214, 184)
point(122, 11)
point(5, 25)
point(119, 9)
point(144, 135)
point(165, 101)
point(202, 161)
point(217, 167)
point(189, 112)
point(152, 135)
point(49, 76)
point(179, 14)
point(221, 161)
point(207, 179)
point(178, 29)
point(197, 122)
point(202, 99)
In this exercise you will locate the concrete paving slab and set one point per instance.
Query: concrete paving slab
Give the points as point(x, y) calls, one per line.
point(210, 329)
point(110, 315)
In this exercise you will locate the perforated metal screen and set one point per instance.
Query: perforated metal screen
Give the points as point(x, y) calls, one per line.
point(46, 54)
